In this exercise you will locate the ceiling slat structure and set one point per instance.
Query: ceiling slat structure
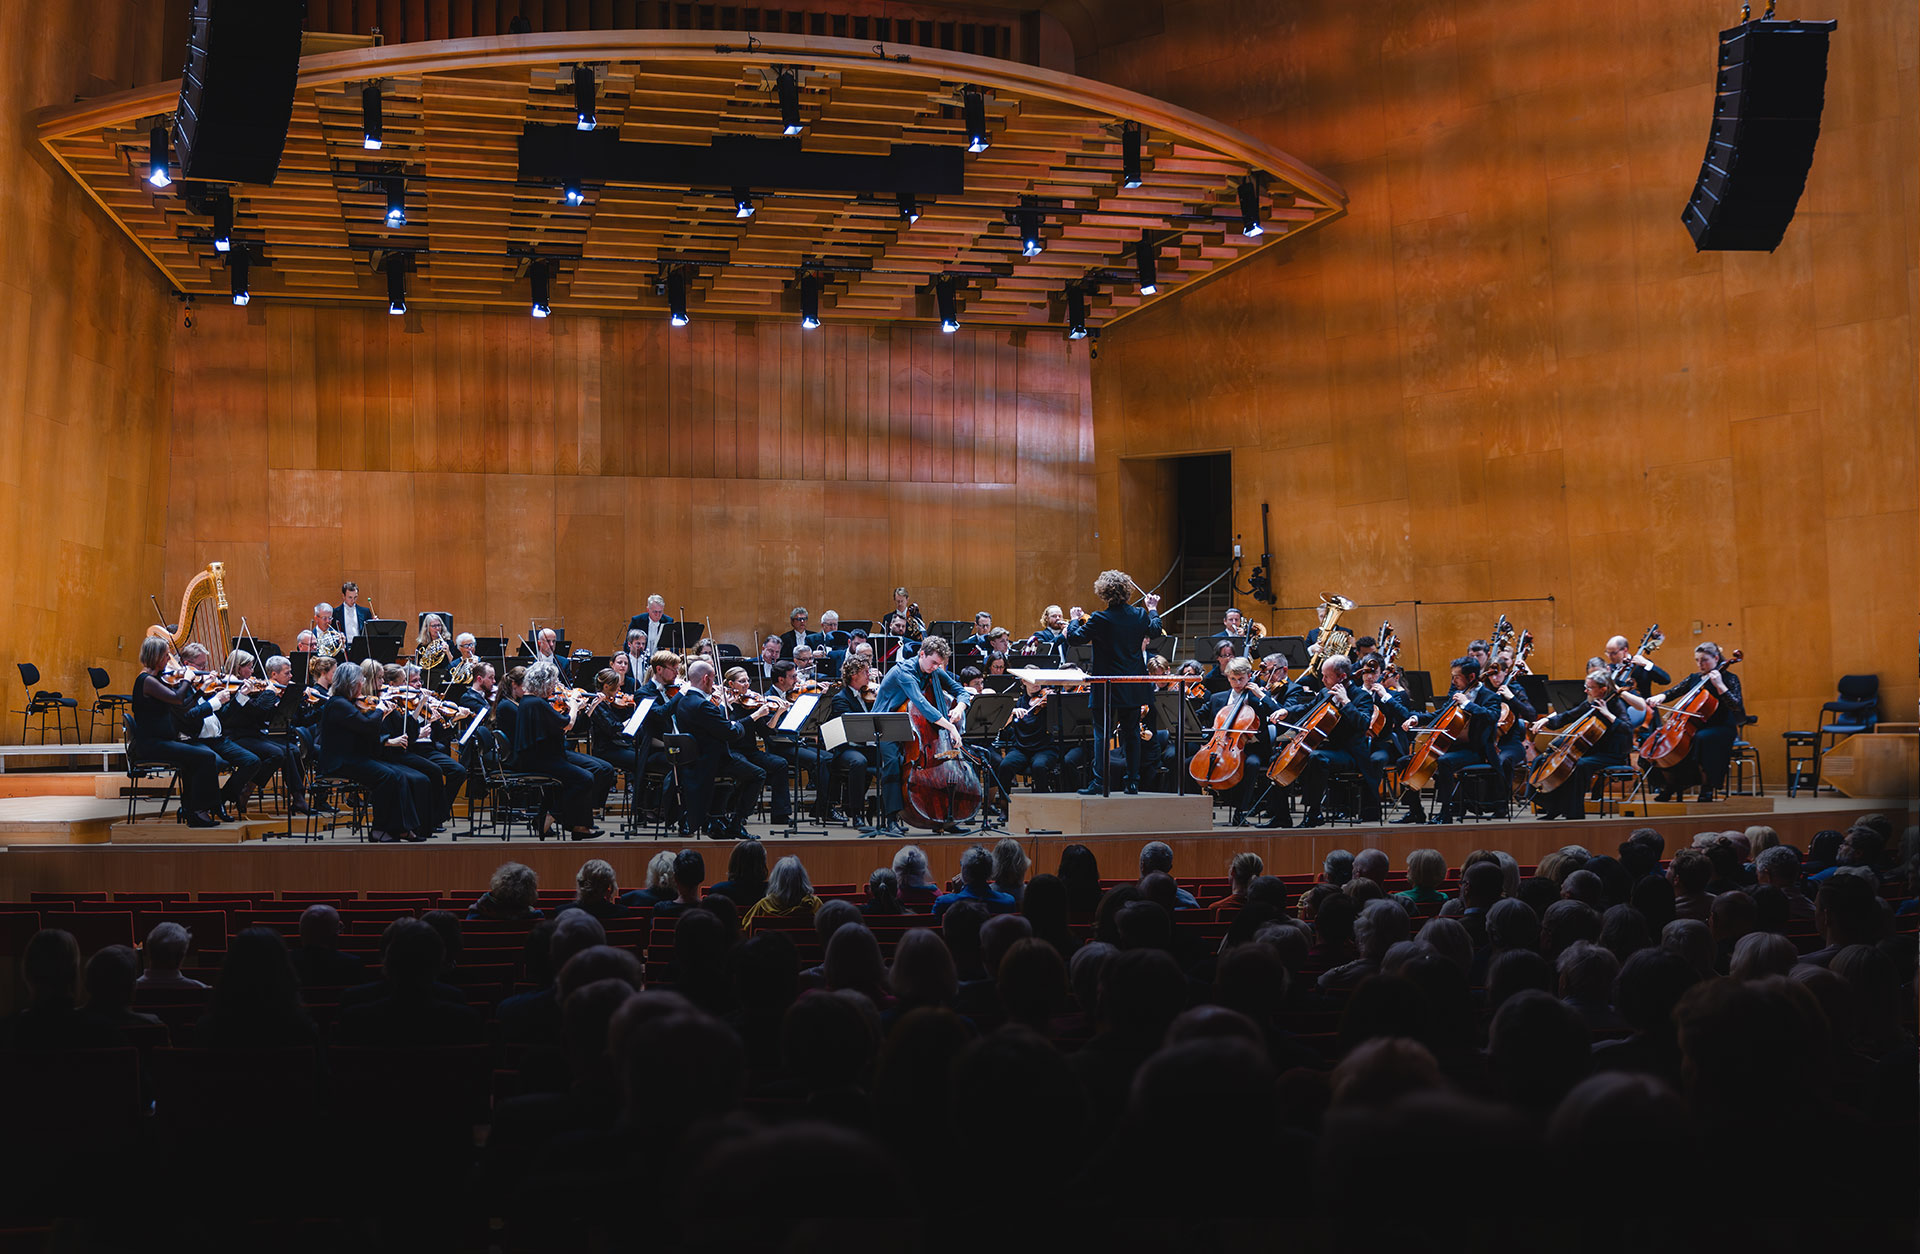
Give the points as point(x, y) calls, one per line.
point(455, 112)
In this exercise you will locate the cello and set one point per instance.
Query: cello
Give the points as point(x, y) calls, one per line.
point(938, 786)
point(1222, 761)
point(1518, 668)
point(1313, 731)
point(1555, 767)
point(1672, 741)
point(1448, 728)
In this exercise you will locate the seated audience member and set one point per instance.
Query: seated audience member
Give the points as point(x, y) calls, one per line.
point(1760, 954)
point(746, 880)
point(883, 893)
point(1157, 855)
point(1516, 971)
point(511, 894)
point(452, 938)
point(689, 873)
point(165, 950)
point(1691, 939)
point(1032, 982)
point(109, 980)
point(659, 886)
point(922, 973)
point(1242, 870)
point(976, 884)
point(1333, 932)
point(1564, 923)
point(597, 889)
point(409, 1015)
point(1045, 906)
point(1587, 973)
point(1426, 871)
point(1381, 924)
point(52, 1018)
point(1778, 867)
point(1079, 870)
point(917, 887)
point(318, 961)
point(1336, 868)
point(533, 1018)
point(1650, 985)
point(1010, 866)
point(256, 999)
point(1689, 872)
point(789, 896)
point(1373, 864)
point(1479, 890)
point(1624, 931)
point(853, 963)
point(1537, 1049)
point(1846, 911)
point(1584, 887)
point(828, 919)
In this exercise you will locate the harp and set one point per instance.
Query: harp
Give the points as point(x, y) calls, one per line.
point(203, 615)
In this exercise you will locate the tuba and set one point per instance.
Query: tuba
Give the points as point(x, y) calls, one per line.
point(1334, 641)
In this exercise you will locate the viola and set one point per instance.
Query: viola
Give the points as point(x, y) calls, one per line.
point(937, 784)
point(1672, 741)
point(1222, 761)
point(1448, 728)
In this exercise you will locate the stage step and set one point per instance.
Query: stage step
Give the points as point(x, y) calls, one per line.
point(1681, 809)
point(168, 832)
point(54, 783)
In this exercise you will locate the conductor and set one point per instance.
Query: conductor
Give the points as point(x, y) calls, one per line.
point(1119, 637)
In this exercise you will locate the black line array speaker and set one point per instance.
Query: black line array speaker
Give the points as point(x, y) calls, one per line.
point(1766, 117)
point(236, 93)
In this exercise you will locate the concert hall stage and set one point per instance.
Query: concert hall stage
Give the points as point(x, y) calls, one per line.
point(345, 864)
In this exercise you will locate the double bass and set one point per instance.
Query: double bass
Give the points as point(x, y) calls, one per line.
point(1672, 741)
point(938, 786)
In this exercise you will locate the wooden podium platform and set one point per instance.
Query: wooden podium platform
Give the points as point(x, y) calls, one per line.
point(1072, 814)
point(1874, 764)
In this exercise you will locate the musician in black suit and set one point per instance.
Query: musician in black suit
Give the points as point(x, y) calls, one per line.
point(252, 720)
point(351, 747)
point(1712, 750)
point(1389, 746)
point(506, 715)
point(1224, 651)
point(478, 697)
point(982, 625)
point(417, 748)
point(1023, 744)
point(652, 626)
point(797, 633)
point(607, 737)
point(546, 648)
point(1645, 674)
point(1569, 800)
point(696, 713)
point(1500, 685)
point(789, 747)
point(211, 731)
point(158, 709)
point(350, 617)
point(761, 666)
point(1346, 747)
point(1475, 749)
point(1255, 747)
point(1119, 637)
point(1236, 630)
point(855, 764)
point(541, 737)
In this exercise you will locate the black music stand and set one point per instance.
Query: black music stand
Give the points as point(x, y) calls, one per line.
point(1175, 711)
point(1162, 645)
point(1419, 686)
point(988, 712)
point(807, 730)
point(491, 648)
point(1563, 694)
point(851, 625)
point(679, 634)
point(1293, 648)
point(1535, 686)
point(380, 642)
point(1001, 683)
point(952, 629)
point(870, 728)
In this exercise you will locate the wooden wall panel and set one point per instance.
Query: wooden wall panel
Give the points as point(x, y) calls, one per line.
point(504, 470)
point(1508, 374)
point(86, 372)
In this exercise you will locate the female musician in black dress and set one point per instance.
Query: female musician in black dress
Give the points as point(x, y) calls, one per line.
point(607, 725)
point(351, 747)
point(156, 734)
point(1712, 750)
point(542, 738)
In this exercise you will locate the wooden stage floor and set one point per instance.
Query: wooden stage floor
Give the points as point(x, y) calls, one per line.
point(342, 863)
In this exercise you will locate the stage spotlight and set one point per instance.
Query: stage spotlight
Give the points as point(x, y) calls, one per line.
point(1029, 220)
point(809, 299)
point(583, 115)
point(677, 296)
point(539, 275)
point(943, 293)
point(1130, 155)
point(787, 86)
point(157, 173)
point(1076, 312)
point(909, 208)
point(223, 224)
point(1250, 210)
point(973, 109)
point(237, 273)
point(396, 284)
point(1145, 263)
point(373, 122)
point(742, 202)
point(573, 193)
point(396, 201)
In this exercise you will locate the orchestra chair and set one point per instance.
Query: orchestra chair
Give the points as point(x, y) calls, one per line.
point(1341, 795)
point(43, 702)
point(516, 797)
point(1855, 709)
point(1745, 759)
point(1611, 780)
point(1485, 791)
point(138, 771)
point(107, 703)
point(346, 797)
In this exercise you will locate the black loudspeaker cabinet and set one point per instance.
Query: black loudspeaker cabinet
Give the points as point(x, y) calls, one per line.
point(236, 92)
point(1766, 117)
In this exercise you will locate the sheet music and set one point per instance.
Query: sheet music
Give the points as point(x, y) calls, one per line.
point(833, 733)
point(472, 728)
point(797, 716)
point(1045, 675)
point(632, 725)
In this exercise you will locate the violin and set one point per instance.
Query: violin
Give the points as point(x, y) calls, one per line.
point(1222, 761)
point(1672, 741)
point(563, 697)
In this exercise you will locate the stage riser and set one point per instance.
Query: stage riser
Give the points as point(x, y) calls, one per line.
point(347, 865)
